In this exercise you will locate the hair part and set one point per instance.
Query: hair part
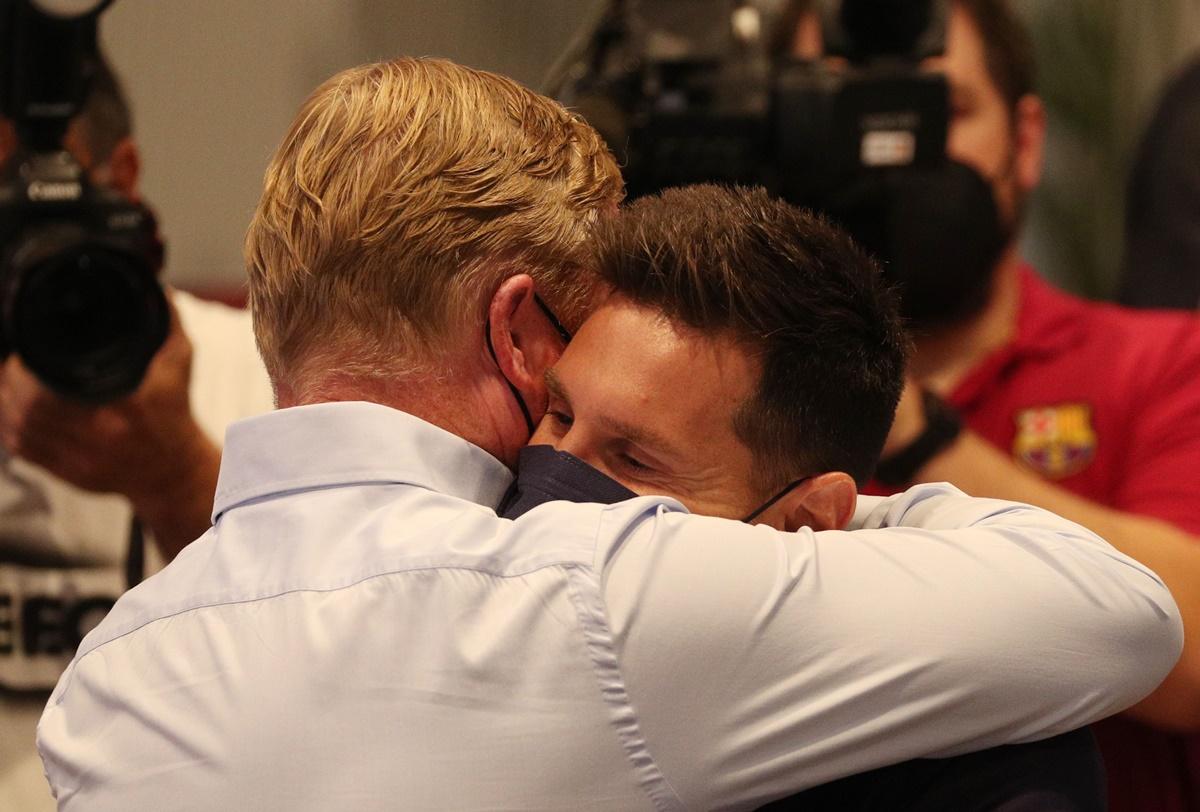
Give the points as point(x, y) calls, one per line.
point(401, 197)
point(797, 294)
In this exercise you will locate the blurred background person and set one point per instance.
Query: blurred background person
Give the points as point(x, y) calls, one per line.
point(1023, 392)
point(1162, 209)
point(82, 476)
point(1033, 395)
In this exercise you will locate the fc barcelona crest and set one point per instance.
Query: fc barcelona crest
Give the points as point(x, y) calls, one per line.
point(1055, 441)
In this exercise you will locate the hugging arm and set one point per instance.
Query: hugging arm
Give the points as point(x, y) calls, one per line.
point(762, 662)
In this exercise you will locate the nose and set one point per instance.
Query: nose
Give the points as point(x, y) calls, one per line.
point(577, 441)
point(574, 441)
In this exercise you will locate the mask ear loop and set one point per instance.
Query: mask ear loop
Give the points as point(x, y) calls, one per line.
point(487, 335)
point(787, 489)
point(563, 333)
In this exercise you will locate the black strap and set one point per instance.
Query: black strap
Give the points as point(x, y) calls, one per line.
point(942, 426)
point(135, 559)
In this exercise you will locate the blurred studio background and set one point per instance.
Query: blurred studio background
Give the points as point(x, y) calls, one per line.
point(215, 83)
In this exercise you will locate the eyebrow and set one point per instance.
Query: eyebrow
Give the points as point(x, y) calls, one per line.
point(555, 385)
point(639, 435)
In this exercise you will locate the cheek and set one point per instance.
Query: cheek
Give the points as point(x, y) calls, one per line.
point(725, 502)
point(981, 142)
point(966, 144)
point(641, 488)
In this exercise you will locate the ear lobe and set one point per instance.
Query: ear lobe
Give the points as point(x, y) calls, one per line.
point(825, 502)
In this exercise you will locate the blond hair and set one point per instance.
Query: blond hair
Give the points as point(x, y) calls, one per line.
point(401, 197)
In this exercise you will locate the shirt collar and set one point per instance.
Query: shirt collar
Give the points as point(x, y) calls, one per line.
point(330, 444)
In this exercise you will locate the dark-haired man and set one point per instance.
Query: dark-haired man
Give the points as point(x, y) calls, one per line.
point(73, 475)
point(1088, 410)
point(726, 310)
point(737, 321)
point(1161, 266)
point(740, 344)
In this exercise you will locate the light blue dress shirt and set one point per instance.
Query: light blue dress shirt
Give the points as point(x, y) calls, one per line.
point(360, 631)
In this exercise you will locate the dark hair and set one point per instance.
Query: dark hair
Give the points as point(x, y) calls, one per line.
point(104, 119)
point(797, 293)
point(1008, 49)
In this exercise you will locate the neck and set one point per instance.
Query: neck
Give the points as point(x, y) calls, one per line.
point(472, 406)
point(945, 355)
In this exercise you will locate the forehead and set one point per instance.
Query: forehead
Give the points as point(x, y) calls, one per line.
point(631, 363)
point(965, 59)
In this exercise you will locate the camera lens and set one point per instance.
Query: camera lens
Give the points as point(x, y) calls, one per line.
point(86, 318)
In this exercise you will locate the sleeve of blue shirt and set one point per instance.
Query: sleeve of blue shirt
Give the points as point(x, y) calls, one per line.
point(758, 662)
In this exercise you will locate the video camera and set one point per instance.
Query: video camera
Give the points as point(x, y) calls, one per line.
point(80, 303)
point(706, 95)
point(689, 91)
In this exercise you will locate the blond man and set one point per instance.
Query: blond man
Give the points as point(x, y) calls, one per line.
point(360, 630)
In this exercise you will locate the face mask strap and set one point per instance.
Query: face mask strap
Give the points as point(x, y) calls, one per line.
point(487, 335)
point(786, 490)
point(563, 333)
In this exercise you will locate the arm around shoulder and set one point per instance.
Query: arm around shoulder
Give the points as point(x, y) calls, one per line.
point(768, 662)
point(1154, 515)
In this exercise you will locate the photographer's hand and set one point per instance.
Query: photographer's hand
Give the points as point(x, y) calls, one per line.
point(146, 447)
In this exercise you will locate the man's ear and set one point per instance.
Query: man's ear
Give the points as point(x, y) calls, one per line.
point(125, 168)
point(1029, 132)
point(524, 342)
point(825, 502)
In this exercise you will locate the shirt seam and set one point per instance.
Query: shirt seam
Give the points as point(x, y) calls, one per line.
point(607, 671)
point(233, 497)
point(69, 674)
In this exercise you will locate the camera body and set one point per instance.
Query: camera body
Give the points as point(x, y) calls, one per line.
point(691, 91)
point(707, 97)
point(80, 303)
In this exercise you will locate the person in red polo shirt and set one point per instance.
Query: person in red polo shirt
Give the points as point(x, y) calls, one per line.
point(1029, 394)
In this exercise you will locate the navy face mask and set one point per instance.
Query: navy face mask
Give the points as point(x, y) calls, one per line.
point(547, 475)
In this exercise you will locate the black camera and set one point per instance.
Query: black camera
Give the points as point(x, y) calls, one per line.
point(689, 91)
point(80, 302)
point(874, 112)
point(704, 94)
